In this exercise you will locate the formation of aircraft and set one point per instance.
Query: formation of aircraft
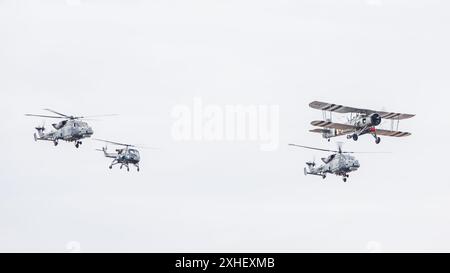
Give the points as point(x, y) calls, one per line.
point(360, 121)
point(75, 129)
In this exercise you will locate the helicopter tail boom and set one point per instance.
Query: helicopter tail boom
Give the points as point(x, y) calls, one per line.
point(311, 172)
point(105, 152)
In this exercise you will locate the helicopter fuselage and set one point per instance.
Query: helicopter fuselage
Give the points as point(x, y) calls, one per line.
point(68, 130)
point(123, 157)
point(129, 156)
point(338, 164)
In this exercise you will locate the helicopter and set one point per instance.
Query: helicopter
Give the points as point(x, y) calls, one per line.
point(123, 156)
point(340, 163)
point(70, 129)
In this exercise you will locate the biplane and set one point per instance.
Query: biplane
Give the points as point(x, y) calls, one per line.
point(360, 122)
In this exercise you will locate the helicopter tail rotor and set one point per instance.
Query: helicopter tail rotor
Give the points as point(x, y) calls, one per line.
point(103, 149)
point(40, 131)
point(311, 164)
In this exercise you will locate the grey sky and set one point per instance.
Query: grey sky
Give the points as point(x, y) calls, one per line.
point(141, 58)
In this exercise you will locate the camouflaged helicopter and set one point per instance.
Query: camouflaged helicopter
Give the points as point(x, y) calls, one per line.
point(340, 163)
point(70, 129)
point(123, 156)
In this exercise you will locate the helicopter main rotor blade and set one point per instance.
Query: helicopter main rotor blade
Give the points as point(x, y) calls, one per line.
point(312, 148)
point(54, 112)
point(340, 151)
point(367, 152)
point(115, 143)
point(43, 116)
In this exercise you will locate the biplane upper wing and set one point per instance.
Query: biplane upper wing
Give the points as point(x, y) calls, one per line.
point(395, 116)
point(345, 110)
point(392, 133)
point(329, 124)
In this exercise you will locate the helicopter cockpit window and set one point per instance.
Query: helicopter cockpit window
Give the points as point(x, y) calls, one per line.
point(132, 151)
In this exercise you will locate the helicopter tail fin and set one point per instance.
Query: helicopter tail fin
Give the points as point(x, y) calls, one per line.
point(310, 165)
point(104, 150)
point(40, 132)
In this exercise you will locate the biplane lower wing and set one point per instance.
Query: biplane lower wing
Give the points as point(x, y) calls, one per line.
point(320, 131)
point(330, 107)
point(329, 124)
point(346, 128)
point(392, 133)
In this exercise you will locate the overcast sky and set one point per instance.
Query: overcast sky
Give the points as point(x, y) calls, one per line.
point(141, 58)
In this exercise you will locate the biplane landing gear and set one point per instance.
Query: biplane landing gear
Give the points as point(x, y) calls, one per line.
point(324, 176)
point(345, 179)
point(55, 143)
point(377, 140)
point(355, 137)
point(78, 143)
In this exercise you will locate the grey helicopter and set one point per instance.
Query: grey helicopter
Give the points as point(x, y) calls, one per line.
point(123, 156)
point(339, 163)
point(70, 129)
